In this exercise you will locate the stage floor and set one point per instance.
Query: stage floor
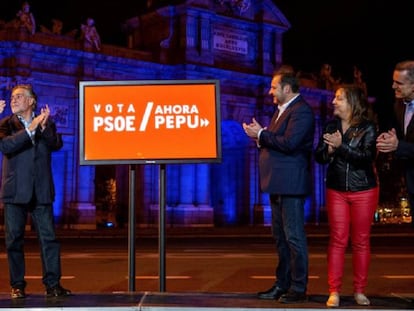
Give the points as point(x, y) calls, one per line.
point(188, 301)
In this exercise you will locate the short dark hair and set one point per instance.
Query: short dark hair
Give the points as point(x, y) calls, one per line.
point(407, 65)
point(285, 68)
point(288, 78)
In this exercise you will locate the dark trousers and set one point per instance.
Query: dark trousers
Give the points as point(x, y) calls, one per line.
point(15, 216)
point(288, 229)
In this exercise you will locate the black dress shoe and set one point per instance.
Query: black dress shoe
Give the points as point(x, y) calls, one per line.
point(57, 291)
point(293, 297)
point(273, 293)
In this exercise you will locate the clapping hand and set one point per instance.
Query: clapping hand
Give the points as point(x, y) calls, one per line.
point(333, 140)
point(41, 119)
point(2, 105)
point(387, 141)
point(252, 129)
point(46, 113)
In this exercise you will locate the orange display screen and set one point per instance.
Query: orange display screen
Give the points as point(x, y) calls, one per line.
point(149, 122)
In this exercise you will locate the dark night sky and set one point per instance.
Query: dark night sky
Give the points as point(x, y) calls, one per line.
point(373, 34)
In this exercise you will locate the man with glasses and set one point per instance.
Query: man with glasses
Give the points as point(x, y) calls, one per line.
point(27, 141)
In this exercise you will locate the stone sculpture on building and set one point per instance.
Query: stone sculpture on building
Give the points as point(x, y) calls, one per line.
point(90, 35)
point(57, 26)
point(57, 29)
point(26, 19)
point(235, 6)
point(326, 81)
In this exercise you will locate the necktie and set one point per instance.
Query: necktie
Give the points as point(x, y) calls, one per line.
point(409, 110)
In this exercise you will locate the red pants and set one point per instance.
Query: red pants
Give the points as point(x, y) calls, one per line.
point(350, 211)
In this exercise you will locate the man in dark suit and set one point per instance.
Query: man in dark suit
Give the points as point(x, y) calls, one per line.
point(400, 139)
point(26, 141)
point(285, 150)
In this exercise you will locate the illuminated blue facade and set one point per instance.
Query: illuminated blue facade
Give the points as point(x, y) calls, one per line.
point(190, 40)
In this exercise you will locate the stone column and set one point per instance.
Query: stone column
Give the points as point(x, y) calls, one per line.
point(191, 40)
point(193, 208)
point(83, 208)
point(206, 55)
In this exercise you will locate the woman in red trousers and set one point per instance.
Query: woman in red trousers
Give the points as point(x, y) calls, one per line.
point(348, 146)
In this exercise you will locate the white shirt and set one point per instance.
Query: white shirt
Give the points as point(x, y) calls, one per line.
point(281, 108)
point(26, 126)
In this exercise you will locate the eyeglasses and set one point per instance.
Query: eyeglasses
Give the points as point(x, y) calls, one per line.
point(18, 97)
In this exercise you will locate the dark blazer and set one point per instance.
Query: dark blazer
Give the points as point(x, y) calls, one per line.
point(27, 166)
point(285, 151)
point(405, 150)
point(351, 166)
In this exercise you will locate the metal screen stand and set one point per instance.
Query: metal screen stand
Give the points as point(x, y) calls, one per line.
point(161, 229)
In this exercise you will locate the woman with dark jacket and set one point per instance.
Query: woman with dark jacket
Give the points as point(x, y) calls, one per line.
point(348, 146)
